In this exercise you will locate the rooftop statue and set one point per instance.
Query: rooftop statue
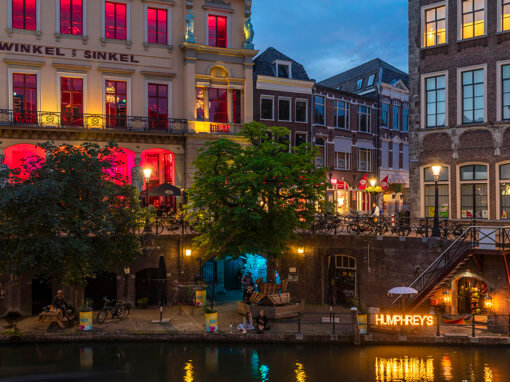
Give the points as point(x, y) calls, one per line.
point(249, 33)
point(189, 34)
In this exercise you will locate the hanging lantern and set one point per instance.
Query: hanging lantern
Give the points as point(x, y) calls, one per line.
point(488, 302)
point(447, 297)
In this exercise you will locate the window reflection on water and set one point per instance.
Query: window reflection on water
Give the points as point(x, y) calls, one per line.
point(404, 369)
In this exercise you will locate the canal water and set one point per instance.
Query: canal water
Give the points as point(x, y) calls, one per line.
point(147, 362)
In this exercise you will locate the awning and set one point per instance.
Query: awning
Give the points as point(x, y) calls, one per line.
point(165, 189)
point(365, 145)
point(343, 145)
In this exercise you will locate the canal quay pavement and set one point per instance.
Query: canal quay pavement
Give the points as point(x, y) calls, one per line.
point(187, 324)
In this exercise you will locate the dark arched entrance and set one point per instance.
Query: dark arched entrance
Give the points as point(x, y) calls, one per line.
point(42, 295)
point(146, 285)
point(103, 285)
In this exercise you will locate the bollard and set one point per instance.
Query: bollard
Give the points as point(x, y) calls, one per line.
point(333, 329)
point(299, 323)
point(438, 317)
point(473, 327)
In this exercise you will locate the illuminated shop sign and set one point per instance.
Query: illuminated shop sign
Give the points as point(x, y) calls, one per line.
point(64, 52)
point(404, 320)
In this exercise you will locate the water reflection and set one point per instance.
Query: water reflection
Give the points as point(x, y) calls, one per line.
point(447, 370)
point(406, 369)
point(300, 372)
point(488, 375)
point(188, 372)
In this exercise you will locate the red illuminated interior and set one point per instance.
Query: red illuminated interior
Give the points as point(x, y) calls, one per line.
point(157, 26)
point(24, 14)
point(71, 17)
point(217, 31)
point(115, 20)
point(17, 155)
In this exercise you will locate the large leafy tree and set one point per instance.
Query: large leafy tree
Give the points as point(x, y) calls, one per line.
point(252, 198)
point(67, 216)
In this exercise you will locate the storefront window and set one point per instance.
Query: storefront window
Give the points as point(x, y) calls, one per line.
point(116, 103)
point(24, 97)
point(442, 189)
point(71, 17)
point(71, 96)
point(474, 192)
point(471, 296)
point(504, 191)
point(157, 26)
point(339, 196)
point(158, 106)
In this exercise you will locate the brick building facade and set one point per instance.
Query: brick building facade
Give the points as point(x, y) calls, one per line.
point(459, 114)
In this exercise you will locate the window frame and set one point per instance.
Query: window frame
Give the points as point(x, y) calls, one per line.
point(424, 183)
point(424, 10)
point(13, 70)
point(348, 161)
point(129, 96)
point(371, 80)
point(423, 100)
point(460, 182)
point(359, 84)
point(500, 16)
point(10, 28)
point(395, 108)
point(267, 97)
point(168, 83)
point(168, 9)
point(289, 100)
point(460, 94)
point(499, 182)
point(460, 24)
point(499, 90)
point(229, 32)
point(324, 150)
point(104, 39)
point(369, 160)
point(314, 110)
point(288, 64)
point(306, 109)
point(296, 133)
point(61, 74)
point(385, 124)
point(369, 119)
point(346, 108)
point(83, 36)
point(405, 119)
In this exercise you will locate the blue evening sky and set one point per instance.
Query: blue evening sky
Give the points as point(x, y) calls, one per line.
point(331, 36)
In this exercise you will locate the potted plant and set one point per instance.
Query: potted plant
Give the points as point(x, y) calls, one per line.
point(86, 315)
point(142, 302)
point(211, 319)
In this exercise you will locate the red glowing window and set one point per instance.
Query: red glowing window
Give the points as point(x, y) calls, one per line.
point(71, 105)
point(217, 31)
point(24, 14)
point(236, 106)
point(124, 161)
point(115, 20)
point(157, 26)
point(71, 17)
point(23, 157)
point(116, 103)
point(218, 105)
point(161, 163)
point(158, 106)
point(24, 97)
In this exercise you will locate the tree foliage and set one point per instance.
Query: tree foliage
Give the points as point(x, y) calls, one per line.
point(67, 216)
point(252, 198)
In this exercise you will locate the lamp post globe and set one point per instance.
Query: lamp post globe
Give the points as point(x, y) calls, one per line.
point(147, 175)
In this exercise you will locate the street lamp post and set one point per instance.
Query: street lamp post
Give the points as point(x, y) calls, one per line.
point(436, 170)
point(147, 176)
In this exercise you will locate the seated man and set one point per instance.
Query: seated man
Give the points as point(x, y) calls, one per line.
point(59, 302)
point(247, 323)
point(261, 322)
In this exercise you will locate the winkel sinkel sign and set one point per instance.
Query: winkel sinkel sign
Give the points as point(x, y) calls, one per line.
point(65, 52)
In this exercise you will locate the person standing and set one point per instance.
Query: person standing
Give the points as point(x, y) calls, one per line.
point(247, 282)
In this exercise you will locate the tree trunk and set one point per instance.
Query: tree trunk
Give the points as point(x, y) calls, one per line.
point(271, 268)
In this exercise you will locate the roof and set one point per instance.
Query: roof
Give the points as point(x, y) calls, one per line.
point(264, 65)
point(381, 70)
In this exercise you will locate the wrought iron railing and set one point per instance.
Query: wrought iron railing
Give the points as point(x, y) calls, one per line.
point(91, 121)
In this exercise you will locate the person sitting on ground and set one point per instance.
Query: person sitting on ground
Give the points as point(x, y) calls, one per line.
point(261, 322)
point(247, 323)
point(59, 302)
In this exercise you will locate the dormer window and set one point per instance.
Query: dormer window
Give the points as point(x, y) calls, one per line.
point(359, 84)
point(371, 80)
point(283, 69)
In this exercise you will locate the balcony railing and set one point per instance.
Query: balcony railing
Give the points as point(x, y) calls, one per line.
point(91, 121)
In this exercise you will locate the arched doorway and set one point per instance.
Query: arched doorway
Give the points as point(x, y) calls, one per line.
point(42, 294)
point(103, 285)
point(146, 285)
point(17, 155)
point(162, 165)
point(124, 162)
point(471, 294)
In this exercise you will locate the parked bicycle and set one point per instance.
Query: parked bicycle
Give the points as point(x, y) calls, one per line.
point(116, 308)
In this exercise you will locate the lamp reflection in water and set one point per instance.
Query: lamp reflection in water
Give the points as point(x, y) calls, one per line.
point(446, 366)
point(488, 375)
point(300, 372)
point(189, 375)
point(404, 369)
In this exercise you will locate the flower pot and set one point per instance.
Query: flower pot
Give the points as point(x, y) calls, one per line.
point(86, 320)
point(200, 295)
point(211, 322)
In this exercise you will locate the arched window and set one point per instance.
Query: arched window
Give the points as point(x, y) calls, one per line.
point(474, 192)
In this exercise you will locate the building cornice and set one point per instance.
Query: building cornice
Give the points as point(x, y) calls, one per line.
point(199, 48)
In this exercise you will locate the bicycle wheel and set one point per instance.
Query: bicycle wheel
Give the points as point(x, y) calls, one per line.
point(101, 316)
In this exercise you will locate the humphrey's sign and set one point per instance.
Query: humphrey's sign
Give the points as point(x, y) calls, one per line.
point(64, 52)
point(405, 320)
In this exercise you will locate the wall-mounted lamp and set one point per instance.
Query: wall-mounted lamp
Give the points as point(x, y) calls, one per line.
point(187, 252)
point(447, 297)
point(301, 250)
point(372, 182)
point(488, 302)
